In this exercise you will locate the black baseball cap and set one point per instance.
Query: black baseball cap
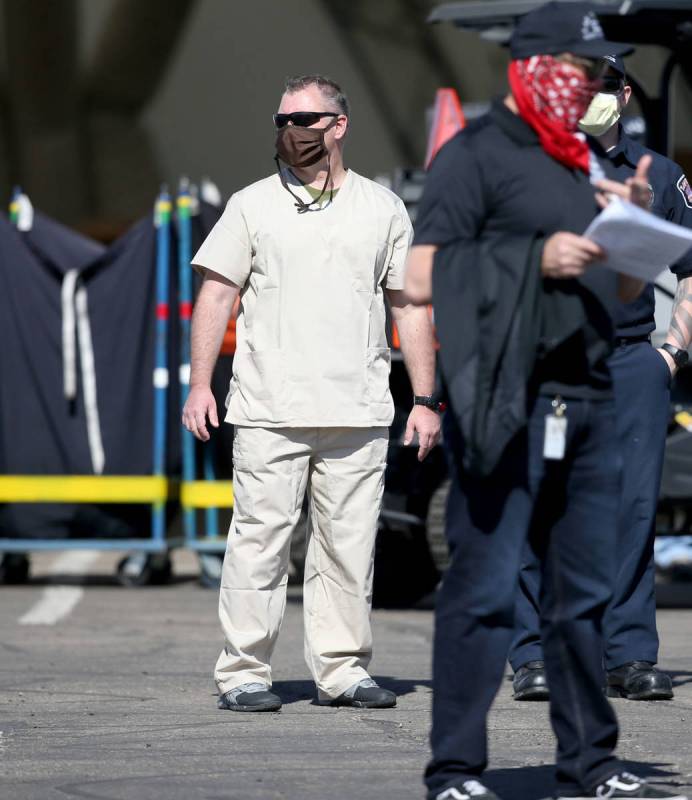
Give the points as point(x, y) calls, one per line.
point(616, 63)
point(563, 28)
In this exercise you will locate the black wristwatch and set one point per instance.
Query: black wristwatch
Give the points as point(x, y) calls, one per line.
point(431, 402)
point(680, 357)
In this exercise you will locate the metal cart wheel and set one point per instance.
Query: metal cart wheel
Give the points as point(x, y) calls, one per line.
point(210, 566)
point(435, 527)
point(14, 568)
point(144, 569)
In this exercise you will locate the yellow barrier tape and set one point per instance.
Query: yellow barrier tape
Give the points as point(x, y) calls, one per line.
point(86, 489)
point(684, 419)
point(206, 494)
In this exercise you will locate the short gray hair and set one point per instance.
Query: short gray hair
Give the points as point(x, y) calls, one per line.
point(329, 88)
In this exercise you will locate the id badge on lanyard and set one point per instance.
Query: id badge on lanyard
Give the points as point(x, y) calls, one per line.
point(555, 438)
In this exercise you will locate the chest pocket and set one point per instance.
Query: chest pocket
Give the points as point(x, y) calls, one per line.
point(366, 258)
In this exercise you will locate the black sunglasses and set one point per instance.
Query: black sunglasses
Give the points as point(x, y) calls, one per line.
point(303, 119)
point(610, 84)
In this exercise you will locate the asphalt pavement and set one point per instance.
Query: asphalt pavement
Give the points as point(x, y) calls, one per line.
point(106, 693)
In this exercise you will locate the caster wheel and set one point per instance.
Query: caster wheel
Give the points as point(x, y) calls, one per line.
point(210, 566)
point(435, 527)
point(14, 568)
point(144, 569)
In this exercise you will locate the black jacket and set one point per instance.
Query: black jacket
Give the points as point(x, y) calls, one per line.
point(496, 319)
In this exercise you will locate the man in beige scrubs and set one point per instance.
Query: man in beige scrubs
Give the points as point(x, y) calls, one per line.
point(312, 251)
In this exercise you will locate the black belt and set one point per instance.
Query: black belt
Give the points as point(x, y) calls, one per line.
point(623, 341)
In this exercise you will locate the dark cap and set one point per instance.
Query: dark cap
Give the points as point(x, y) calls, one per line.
point(616, 63)
point(563, 28)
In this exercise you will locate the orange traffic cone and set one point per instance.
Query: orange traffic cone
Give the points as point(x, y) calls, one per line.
point(228, 344)
point(447, 120)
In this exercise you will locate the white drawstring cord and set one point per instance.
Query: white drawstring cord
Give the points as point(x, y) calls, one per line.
point(76, 332)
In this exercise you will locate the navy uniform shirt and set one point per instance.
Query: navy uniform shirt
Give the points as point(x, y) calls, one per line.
point(494, 178)
point(672, 200)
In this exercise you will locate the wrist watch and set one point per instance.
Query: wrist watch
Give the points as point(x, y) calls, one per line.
point(680, 357)
point(431, 402)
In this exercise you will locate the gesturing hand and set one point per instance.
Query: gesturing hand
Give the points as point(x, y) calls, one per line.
point(566, 255)
point(635, 189)
point(199, 405)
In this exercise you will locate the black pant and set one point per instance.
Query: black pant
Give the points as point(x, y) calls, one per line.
point(641, 382)
point(567, 510)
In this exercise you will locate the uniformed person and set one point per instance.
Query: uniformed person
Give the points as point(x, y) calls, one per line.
point(641, 381)
point(513, 189)
point(312, 250)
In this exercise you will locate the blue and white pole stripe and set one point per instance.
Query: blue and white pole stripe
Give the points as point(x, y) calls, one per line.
point(184, 204)
point(162, 221)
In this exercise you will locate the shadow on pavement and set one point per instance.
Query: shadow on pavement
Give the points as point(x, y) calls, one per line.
point(535, 783)
point(401, 687)
point(294, 691)
point(299, 691)
point(674, 595)
point(679, 678)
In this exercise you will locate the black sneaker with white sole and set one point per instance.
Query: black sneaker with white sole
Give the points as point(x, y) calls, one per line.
point(624, 784)
point(365, 694)
point(468, 790)
point(250, 697)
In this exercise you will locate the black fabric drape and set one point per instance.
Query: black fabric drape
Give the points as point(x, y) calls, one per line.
point(42, 433)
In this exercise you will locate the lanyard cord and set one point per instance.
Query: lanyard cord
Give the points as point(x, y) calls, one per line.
point(300, 204)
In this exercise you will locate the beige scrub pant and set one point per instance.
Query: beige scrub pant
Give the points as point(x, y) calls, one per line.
point(344, 468)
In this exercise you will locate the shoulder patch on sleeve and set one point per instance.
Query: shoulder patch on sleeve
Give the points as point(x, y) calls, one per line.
point(685, 190)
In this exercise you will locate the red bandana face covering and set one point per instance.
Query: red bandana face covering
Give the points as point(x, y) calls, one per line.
point(552, 97)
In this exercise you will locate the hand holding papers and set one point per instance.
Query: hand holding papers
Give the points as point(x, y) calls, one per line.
point(637, 243)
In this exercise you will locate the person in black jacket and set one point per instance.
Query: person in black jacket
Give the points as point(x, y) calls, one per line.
point(641, 383)
point(513, 191)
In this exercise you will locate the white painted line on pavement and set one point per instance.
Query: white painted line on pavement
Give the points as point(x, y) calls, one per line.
point(57, 602)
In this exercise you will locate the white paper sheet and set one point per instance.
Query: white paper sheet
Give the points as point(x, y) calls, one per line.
point(637, 242)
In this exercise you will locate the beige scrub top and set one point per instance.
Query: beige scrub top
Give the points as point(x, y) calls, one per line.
point(311, 345)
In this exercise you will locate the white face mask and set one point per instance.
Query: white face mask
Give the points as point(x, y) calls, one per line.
point(601, 115)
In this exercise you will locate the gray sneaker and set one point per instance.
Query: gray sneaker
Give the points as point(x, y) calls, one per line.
point(250, 697)
point(365, 694)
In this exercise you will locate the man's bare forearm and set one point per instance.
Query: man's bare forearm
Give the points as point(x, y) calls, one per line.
point(419, 268)
point(680, 329)
point(209, 321)
point(417, 342)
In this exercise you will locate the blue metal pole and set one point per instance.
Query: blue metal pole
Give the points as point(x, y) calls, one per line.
point(211, 515)
point(184, 203)
point(14, 205)
point(162, 221)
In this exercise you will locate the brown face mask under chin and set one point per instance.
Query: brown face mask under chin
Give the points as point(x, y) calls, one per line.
point(302, 147)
